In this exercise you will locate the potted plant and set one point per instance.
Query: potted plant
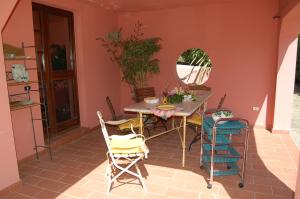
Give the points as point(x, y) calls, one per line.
point(134, 55)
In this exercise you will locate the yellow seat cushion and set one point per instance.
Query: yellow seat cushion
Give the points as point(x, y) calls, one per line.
point(127, 125)
point(135, 145)
point(127, 151)
point(195, 119)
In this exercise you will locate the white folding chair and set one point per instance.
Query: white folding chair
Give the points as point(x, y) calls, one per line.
point(128, 148)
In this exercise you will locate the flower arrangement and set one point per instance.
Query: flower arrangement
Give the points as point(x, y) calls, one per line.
point(177, 95)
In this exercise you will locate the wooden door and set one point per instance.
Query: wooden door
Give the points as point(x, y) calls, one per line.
point(54, 38)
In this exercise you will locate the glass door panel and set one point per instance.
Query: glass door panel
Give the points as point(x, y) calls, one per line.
point(62, 74)
point(59, 42)
point(64, 100)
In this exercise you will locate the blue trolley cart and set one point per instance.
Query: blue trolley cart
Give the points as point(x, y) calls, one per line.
point(224, 147)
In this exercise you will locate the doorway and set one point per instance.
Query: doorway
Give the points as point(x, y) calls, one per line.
point(54, 40)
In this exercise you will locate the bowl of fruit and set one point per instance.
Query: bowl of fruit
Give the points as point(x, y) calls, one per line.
point(221, 114)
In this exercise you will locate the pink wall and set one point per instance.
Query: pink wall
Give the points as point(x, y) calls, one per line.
point(239, 36)
point(9, 168)
point(101, 76)
point(290, 28)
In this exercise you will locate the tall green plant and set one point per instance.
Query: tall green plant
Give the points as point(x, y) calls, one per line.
point(134, 55)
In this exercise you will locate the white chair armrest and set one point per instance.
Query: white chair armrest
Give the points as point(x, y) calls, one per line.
point(123, 137)
point(116, 123)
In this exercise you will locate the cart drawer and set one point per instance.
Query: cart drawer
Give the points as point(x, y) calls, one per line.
point(231, 155)
point(231, 169)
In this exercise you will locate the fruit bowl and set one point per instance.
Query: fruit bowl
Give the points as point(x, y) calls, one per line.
point(166, 107)
point(221, 114)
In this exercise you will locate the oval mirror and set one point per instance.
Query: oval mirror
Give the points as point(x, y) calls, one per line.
point(193, 66)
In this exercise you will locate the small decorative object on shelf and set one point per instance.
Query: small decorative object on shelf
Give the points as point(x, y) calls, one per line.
point(21, 100)
point(19, 73)
point(14, 58)
point(25, 102)
point(10, 56)
point(27, 88)
point(12, 52)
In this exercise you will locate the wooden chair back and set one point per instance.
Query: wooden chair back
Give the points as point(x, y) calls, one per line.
point(111, 108)
point(104, 130)
point(141, 94)
point(221, 102)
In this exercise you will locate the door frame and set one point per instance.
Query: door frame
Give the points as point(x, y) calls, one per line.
point(44, 10)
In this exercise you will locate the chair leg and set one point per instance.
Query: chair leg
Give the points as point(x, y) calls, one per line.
point(164, 123)
point(148, 131)
point(196, 138)
point(109, 183)
point(140, 176)
point(108, 171)
point(126, 169)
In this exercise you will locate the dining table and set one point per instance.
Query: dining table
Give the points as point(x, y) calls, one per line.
point(183, 110)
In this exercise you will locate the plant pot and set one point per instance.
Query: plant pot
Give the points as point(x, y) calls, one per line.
point(141, 93)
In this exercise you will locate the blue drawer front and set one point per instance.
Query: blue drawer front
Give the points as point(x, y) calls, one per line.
point(230, 127)
point(233, 170)
point(207, 147)
point(231, 156)
point(220, 139)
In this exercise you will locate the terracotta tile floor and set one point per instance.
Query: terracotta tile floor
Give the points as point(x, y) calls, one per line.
point(77, 171)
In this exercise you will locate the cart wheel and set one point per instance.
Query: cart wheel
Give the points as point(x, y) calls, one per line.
point(209, 186)
point(241, 185)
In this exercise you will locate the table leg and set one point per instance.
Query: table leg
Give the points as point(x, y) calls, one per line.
point(173, 123)
point(183, 141)
point(141, 123)
point(204, 106)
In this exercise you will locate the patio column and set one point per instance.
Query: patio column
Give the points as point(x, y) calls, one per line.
point(297, 191)
point(287, 53)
